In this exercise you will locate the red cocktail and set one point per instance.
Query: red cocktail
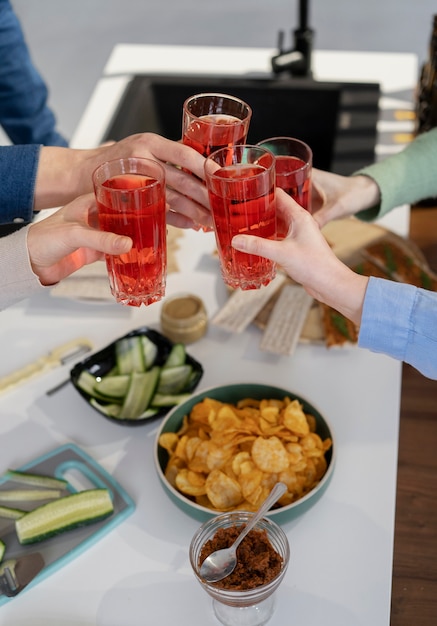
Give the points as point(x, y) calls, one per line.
point(242, 197)
point(293, 172)
point(212, 121)
point(212, 132)
point(130, 196)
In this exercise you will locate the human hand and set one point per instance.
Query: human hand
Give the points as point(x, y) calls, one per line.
point(335, 196)
point(186, 195)
point(307, 258)
point(63, 174)
point(63, 242)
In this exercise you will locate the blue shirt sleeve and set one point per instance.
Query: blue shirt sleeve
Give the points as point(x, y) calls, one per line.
point(24, 113)
point(400, 320)
point(18, 169)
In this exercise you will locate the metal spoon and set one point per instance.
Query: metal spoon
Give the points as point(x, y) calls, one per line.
point(221, 563)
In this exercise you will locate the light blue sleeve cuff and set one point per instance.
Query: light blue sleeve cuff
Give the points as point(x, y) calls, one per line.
point(400, 320)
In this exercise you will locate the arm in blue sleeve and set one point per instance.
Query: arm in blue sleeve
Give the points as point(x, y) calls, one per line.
point(18, 168)
point(24, 113)
point(401, 321)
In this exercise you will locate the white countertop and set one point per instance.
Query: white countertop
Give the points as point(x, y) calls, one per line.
point(340, 571)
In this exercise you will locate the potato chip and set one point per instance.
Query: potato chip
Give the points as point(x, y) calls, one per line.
point(295, 419)
point(250, 481)
point(270, 454)
point(223, 491)
point(270, 414)
point(200, 411)
point(198, 462)
point(191, 446)
point(191, 483)
point(311, 422)
point(224, 419)
point(294, 452)
point(256, 497)
point(237, 461)
point(217, 456)
point(171, 471)
point(248, 402)
point(168, 441)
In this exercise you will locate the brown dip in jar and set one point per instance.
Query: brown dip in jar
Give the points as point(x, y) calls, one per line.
point(257, 561)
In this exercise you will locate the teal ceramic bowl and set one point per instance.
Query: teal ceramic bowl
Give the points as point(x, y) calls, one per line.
point(232, 394)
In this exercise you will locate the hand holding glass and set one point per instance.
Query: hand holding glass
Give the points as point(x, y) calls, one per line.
point(130, 196)
point(241, 188)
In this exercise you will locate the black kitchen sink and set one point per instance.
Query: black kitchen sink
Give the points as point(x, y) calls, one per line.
point(338, 120)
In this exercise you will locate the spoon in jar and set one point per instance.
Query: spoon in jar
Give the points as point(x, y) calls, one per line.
point(221, 563)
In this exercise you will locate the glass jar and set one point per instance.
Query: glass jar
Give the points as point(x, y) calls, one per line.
point(252, 607)
point(183, 318)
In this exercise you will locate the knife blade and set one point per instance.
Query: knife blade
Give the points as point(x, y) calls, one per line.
point(59, 356)
point(16, 574)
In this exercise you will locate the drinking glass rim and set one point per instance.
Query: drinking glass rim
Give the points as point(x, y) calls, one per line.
point(306, 164)
point(156, 181)
point(220, 95)
point(267, 170)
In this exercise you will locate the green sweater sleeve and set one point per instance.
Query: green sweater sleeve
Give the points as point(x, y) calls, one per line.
point(406, 177)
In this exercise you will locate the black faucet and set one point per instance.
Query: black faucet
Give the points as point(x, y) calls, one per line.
point(297, 60)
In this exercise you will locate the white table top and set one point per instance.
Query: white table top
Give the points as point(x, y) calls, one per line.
point(340, 571)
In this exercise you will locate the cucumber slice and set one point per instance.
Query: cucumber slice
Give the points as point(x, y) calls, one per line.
point(47, 482)
point(161, 400)
point(150, 351)
point(86, 382)
point(7, 512)
point(174, 379)
point(77, 509)
point(29, 495)
point(141, 390)
point(176, 357)
point(129, 355)
point(111, 410)
point(111, 387)
point(150, 412)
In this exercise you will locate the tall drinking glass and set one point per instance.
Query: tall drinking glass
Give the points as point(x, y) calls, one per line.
point(130, 197)
point(241, 189)
point(294, 162)
point(212, 121)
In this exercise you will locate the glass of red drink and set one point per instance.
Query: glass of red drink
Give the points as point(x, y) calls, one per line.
point(241, 189)
point(212, 121)
point(130, 197)
point(294, 162)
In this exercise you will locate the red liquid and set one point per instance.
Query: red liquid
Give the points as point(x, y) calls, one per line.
point(245, 207)
point(294, 178)
point(212, 132)
point(139, 276)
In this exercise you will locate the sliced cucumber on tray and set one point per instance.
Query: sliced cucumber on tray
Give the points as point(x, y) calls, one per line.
point(61, 511)
point(72, 511)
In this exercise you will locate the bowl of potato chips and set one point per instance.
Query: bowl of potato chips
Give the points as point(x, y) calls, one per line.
point(224, 449)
